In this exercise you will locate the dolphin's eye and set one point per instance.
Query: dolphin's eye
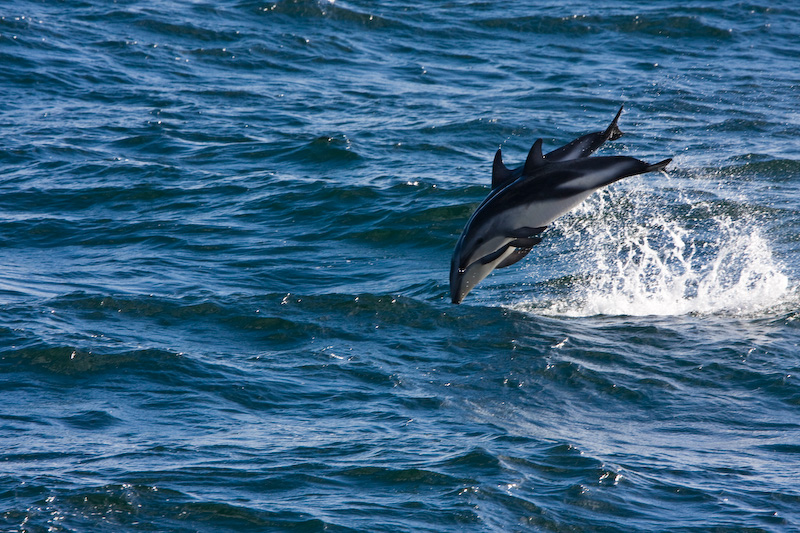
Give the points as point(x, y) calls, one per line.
point(479, 241)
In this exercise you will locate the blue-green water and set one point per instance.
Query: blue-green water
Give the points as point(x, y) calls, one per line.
point(225, 232)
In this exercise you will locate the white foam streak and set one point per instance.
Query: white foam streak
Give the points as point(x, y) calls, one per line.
point(661, 264)
point(739, 276)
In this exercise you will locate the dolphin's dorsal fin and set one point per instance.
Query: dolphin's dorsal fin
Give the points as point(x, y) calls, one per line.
point(535, 158)
point(500, 173)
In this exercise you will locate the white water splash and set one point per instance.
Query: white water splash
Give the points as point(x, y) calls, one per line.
point(636, 260)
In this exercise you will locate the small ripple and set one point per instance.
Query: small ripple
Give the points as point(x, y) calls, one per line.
point(91, 420)
point(325, 149)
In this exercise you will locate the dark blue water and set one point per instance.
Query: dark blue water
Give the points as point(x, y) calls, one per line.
point(225, 233)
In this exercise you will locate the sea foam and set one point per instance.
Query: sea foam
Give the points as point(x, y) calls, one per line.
point(634, 257)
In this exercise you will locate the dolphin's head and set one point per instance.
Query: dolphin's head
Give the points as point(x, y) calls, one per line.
point(467, 268)
point(463, 280)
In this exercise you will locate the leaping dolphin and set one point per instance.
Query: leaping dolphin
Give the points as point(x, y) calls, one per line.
point(583, 146)
point(509, 222)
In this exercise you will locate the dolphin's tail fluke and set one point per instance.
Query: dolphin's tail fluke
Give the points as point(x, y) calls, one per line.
point(661, 165)
point(613, 132)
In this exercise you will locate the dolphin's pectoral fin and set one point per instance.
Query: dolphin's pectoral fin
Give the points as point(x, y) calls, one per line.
point(515, 256)
point(525, 242)
point(521, 247)
point(525, 231)
point(488, 258)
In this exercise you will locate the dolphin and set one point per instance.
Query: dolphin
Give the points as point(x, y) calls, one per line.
point(510, 221)
point(583, 146)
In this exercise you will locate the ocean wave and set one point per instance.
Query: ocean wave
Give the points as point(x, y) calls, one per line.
point(74, 361)
point(226, 232)
point(578, 24)
point(125, 506)
point(328, 9)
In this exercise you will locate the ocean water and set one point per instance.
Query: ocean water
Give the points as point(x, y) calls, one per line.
point(225, 234)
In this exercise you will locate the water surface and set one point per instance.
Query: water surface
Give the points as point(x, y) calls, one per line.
point(226, 231)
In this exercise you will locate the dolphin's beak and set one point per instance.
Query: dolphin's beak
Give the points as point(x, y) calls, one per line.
point(463, 281)
point(456, 294)
point(456, 279)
